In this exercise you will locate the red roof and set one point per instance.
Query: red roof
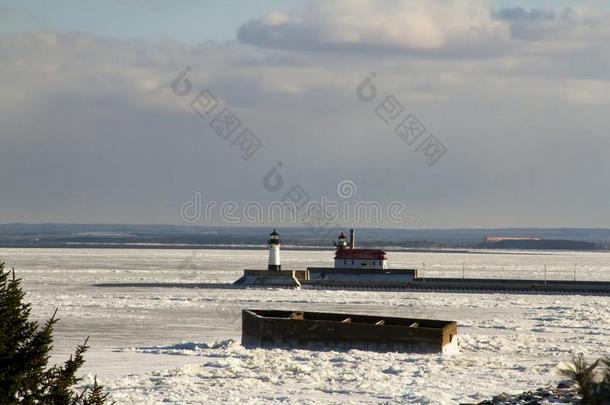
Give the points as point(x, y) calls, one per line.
point(360, 254)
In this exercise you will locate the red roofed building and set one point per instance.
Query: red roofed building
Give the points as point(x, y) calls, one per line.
point(348, 257)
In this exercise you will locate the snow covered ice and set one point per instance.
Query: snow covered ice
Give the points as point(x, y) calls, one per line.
point(174, 345)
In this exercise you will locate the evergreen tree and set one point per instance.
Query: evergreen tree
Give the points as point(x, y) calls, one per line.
point(24, 354)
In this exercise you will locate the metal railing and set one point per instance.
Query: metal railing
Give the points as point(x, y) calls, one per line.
point(573, 272)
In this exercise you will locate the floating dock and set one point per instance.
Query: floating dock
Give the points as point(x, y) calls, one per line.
point(334, 331)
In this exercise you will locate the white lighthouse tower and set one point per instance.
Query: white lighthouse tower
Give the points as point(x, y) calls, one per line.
point(274, 251)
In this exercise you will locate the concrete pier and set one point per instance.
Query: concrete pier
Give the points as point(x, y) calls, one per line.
point(473, 285)
point(296, 279)
point(361, 275)
point(273, 278)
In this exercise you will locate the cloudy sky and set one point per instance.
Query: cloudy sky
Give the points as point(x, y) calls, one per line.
point(515, 93)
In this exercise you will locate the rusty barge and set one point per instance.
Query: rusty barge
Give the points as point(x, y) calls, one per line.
point(335, 331)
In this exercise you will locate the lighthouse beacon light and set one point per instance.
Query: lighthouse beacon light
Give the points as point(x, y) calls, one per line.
point(274, 251)
point(341, 242)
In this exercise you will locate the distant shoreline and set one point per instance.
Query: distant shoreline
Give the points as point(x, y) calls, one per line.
point(286, 248)
point(467, 241)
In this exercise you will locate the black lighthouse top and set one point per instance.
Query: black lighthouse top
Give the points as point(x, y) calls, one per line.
point(341, 242)
point(274, 238)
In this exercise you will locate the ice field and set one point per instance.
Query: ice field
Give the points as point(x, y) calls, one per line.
point(170, 345)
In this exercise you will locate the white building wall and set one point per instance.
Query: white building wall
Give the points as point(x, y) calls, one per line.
point(274, 255)
point(361, 264)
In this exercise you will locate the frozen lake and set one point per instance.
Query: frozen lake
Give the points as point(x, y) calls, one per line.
point(152, 345)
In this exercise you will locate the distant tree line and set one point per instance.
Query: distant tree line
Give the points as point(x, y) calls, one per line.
point(541, 244)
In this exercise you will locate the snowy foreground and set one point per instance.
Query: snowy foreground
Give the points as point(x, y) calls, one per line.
point(153, 345)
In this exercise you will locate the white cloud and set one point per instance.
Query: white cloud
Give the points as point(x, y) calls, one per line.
point(366, 25)
point(429, 28)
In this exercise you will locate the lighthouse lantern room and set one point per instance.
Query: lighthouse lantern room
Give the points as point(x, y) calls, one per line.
point(274, 251)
